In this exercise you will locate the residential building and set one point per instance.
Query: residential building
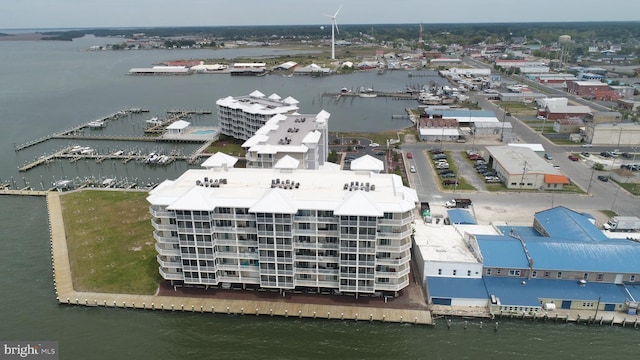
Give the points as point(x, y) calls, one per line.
point(302, 138)
point(240, 117)
point(328, 230)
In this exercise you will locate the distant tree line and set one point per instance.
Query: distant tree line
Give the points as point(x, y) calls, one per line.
point(443, 34)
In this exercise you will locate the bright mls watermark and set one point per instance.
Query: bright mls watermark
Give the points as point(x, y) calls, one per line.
point(28, 350)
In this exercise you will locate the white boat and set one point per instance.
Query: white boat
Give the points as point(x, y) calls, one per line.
point(152, 158)
point(108, 183)
point(154, 121)
point(96, 124)
point(367, 95)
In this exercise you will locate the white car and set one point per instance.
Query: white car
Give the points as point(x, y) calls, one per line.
point(412, 169)
point(540, 117)
point(374, 144)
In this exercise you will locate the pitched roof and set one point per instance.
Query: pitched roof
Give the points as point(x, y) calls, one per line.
point(219, 159)
point(276, 201)
point(367, 162)
point(357, 203)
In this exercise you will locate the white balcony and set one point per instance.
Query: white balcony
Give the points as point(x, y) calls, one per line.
point(170, 275)
point(167, 252)
point(392, 286)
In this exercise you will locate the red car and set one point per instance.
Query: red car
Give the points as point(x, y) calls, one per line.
point(573, 158)
point(409, 155)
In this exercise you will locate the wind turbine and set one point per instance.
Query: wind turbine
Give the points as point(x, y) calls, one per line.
point(334, 29)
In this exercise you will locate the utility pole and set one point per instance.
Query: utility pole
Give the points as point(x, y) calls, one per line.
point(524, 172)
point(590, 180)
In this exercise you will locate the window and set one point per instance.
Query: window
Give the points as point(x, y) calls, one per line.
point(585, 276)
point(600, 277)
point(514, 272)
point(559, 275)
point(454, 272)
point(468, 272)
point(547, 274)
point(499, 271)
point(534, 274)
point(632, 278)
point(439, 271)
point(488, 272)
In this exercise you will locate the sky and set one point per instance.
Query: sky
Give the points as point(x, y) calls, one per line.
point(28, 14)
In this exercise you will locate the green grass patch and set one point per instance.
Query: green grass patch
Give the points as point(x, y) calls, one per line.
point(110, 242)
point(631, 188)
point(227, 145)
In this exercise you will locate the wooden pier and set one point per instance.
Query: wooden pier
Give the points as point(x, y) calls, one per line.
point(74, 157)
point(76, 129)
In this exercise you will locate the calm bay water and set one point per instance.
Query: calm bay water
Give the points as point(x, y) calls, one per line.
point(49, 86)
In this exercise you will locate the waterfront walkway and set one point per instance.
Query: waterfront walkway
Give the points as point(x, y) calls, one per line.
point(225, 305)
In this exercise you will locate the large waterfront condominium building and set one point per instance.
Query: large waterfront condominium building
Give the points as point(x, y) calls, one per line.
point(290, 141)
point(240, 117)
point(329, 230)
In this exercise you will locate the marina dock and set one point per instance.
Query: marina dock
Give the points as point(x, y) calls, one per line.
point(392, 95)
point(154, 133)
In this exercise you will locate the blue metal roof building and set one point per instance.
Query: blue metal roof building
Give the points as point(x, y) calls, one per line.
point(560, 222)
point(445, 291)
point(461, 216)
point(502, 252)
point(511, 291)
point(613, 256)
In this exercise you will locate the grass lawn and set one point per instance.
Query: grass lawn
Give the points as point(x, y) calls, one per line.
point(227, 145)
point(609, 213)
point(110, 241)
point(633, 189)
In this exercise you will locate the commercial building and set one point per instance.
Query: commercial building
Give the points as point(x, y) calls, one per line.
point(592, 90)
point(300, 139)
point(615, 134)
point(562, 261)
point(329, 230)
point(240, 117)
point(522, 168)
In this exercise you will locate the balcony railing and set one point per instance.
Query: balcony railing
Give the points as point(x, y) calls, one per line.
point(165, 239)
point(391, 286)
point(170, 275)
point(167, 252)
point(164, 227)
point(168, 264)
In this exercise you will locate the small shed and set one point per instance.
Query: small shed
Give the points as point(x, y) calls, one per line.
point(178, 127)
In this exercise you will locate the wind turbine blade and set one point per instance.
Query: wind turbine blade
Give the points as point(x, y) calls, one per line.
point(336, 25)
point(329, 16)
point(334, 16)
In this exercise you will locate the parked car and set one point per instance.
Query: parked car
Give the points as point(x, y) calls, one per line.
point(585, 154)
point(409, 155)
point(448, 175)
point(450, 182)
point(492, 179)
point(603, 178)
point(445, 171)
point(373, 144)
point(573, 158)
point(359, 147)
point(436, 151)
point(412, 169)
point(548, 156)
point(540, 117)
point(439, 156)
point(586, 145)
point(381, 153)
